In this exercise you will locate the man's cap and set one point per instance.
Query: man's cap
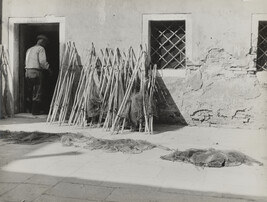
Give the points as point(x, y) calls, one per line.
point(41, 36)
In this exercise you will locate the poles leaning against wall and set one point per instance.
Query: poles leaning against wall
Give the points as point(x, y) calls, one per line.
point(114, 90)
point(7, 102)
point(63, 95)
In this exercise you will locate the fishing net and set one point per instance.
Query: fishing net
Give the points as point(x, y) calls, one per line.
point(93, 105)
point(136, 113)
point(119, 145)
point(94, 101)
point(211, 158)
point(22, 137)
point(134, 110)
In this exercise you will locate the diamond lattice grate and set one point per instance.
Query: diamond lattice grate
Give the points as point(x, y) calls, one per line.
point(262, 45)
point(167, 44)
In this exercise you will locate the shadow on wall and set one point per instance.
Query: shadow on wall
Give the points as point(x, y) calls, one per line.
point(168, 112)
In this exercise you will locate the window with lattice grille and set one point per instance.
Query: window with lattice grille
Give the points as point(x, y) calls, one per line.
point(262, 46)
point(167, 44)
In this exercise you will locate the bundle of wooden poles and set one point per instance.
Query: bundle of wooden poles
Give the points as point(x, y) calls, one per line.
point(7, 109)
point(62, 99)
point(109, 84)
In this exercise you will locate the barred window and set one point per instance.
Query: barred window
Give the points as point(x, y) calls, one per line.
point(262, 46)
point(167, 44)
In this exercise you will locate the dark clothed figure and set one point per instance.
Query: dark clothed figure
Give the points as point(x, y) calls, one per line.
point(35, 63)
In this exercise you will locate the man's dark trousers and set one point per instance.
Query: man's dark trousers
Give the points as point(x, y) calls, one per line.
point(34, 90)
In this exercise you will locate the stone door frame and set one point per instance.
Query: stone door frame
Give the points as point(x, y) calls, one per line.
point(13, 46)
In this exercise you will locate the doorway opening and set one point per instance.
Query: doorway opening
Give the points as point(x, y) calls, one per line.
point(27, 38)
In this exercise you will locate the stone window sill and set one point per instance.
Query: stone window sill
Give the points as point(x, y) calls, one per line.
point(180, 73)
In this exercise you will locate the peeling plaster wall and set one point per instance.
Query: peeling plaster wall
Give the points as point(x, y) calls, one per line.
point(216, 89)
point(220, 92)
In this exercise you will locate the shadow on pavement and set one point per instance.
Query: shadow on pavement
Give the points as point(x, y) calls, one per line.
point(37, 188)
point(52, 155)
point(169, 112)
point(16, 186)
point(160, 128)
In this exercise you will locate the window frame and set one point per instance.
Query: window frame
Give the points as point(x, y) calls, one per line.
point(187, 17)
point(256, 18)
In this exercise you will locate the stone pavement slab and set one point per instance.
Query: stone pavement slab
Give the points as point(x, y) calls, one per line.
point(43, 180)
point(48, 198)
point(80, 191)
point(5, 187)
point(146, 195)
point(11, 177)
point(26, 192)
point(74, 180)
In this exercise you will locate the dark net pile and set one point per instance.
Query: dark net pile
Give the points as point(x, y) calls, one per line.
point(22, 137)
point(211, 158)
point(119, 145)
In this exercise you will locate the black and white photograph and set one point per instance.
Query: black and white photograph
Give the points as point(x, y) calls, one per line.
point(133, 101)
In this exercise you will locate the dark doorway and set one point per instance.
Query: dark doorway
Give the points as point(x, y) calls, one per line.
point(27, 38)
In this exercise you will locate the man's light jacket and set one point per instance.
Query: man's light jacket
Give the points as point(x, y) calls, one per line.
point(36, 58)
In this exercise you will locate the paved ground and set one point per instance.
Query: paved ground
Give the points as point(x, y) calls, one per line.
point(53, 173)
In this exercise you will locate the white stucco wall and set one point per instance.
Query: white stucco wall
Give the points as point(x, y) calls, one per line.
point(212, 93)
point(118, 23)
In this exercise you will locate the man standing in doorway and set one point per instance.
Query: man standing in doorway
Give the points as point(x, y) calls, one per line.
point(36, 63)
